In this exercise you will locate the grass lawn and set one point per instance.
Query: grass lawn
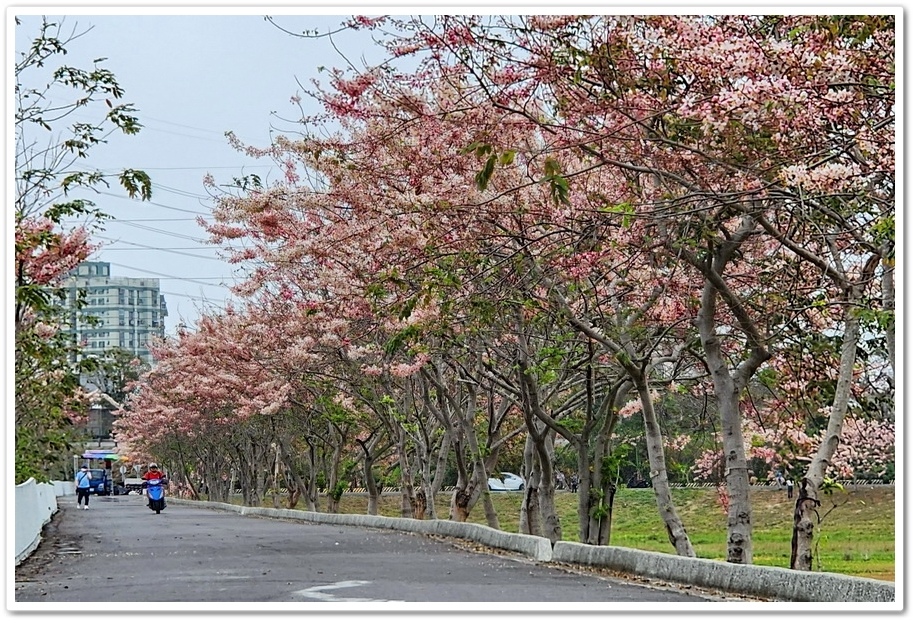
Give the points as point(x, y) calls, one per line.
point(856, 535)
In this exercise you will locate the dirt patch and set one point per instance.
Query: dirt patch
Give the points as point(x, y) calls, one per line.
point(593, 571)
point(46, 553)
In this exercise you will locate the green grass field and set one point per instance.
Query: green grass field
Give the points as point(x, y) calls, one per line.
point(856, 534)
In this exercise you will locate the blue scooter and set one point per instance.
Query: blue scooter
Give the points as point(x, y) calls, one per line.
point(155, 487)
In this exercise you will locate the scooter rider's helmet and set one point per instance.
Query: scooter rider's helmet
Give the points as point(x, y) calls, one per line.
point(153, 466)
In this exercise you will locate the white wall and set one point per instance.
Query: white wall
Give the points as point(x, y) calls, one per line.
point(35, 505)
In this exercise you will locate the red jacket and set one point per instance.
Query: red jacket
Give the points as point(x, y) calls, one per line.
point(153, 474)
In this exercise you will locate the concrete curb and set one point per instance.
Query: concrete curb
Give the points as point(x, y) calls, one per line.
point(535, 547)
point(769, 582)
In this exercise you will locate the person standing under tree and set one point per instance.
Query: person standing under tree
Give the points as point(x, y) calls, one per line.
point(82, 487)
point(790, 488)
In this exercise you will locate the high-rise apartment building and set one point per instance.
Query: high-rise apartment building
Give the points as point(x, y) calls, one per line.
point(130, 311)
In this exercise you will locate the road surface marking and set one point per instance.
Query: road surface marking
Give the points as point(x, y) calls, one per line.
point(317, 592)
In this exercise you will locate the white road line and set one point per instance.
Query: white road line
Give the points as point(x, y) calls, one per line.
point(316, 592)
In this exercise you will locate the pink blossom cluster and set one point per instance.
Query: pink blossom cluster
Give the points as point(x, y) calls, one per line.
point(365, 21)
point(630, 408)
point(677, 443)
point(826, 178)
point(404, 370)
point(44, 255)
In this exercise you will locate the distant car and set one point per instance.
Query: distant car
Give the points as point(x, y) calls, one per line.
point(508, 482)
point(98, 482)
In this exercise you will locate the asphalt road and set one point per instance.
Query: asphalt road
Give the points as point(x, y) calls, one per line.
point(121, 552)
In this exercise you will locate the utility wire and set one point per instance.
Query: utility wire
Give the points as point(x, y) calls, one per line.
point(164, 232)
point(178, 191)
point(187, 279)
point(143, 246)
point(160, 205)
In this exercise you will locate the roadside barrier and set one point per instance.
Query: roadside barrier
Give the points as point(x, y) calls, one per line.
point(36, 503)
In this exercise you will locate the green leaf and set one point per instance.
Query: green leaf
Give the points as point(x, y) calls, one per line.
point(481, 149)
point(483, 177)
point(551, 167)
point(407, 309)
point(398, 340)
point(137, 183)
point(559, 189)
point(624, 208)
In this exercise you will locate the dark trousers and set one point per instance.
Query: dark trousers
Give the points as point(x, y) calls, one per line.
point(82, 493)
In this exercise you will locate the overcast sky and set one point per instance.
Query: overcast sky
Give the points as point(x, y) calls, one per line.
point(192, 78)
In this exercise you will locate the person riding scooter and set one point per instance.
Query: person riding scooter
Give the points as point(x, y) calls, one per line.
point(153, 473)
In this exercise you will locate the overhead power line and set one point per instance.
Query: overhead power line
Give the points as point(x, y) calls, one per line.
point(179, 192)
point(159, 205)
point(164, 232)
point(144, 246)
point(187, 279)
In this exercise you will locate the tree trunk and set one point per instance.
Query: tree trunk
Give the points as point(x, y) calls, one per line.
point(333, 502)
point(293, 493)
point(334, 469)
point(419, 510)
point(805, 507)
point(529, 521)
point(371, 486)
point(294, 482)
point(804, 526)
point(550, 523)
point(597, 488)
point(604, 529)
point(887, 303)
point(479, 468)
point(311, 492)
point(489, 510)
point(460, 505)
point(441, 463)
point(541, 439)
point(275, 476)
point(407, 494)
point(658, 474)
point(583, 504)
point(598, 511)
point(739, 543)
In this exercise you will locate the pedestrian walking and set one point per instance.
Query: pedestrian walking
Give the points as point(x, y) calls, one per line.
point(574, 483)
point(790, 490)
point(82, 487)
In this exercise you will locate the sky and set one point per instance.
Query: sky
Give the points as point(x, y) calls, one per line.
point(191, 78)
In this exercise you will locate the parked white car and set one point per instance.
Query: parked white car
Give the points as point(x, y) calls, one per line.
point(508, 482)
